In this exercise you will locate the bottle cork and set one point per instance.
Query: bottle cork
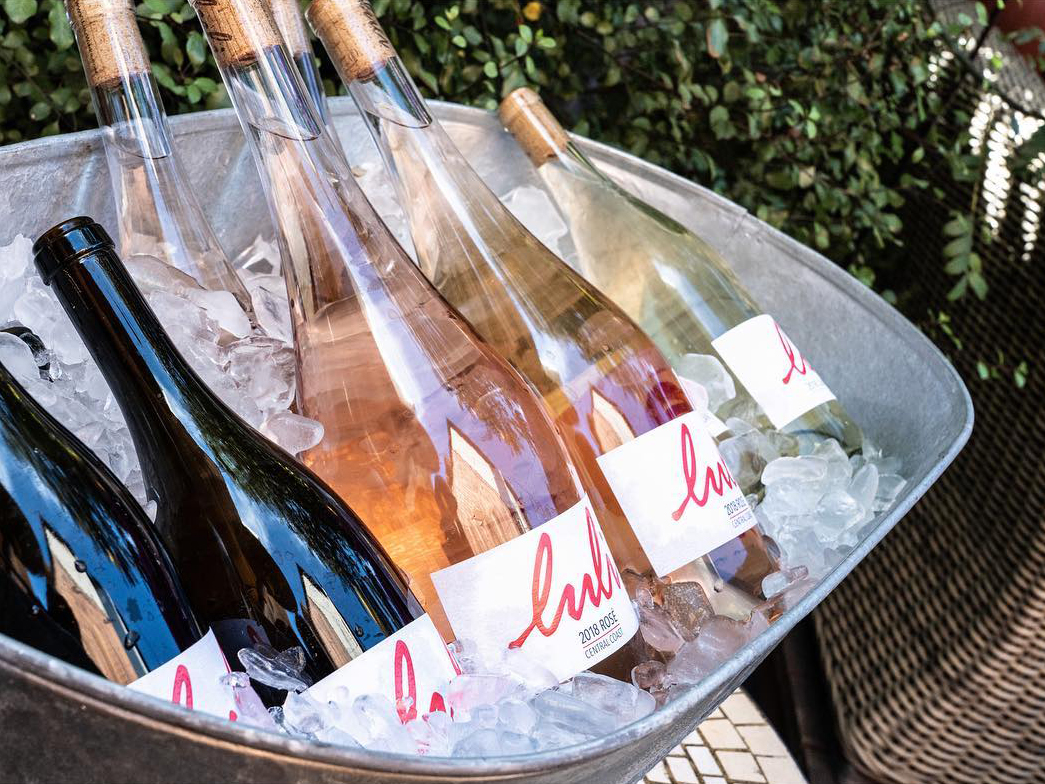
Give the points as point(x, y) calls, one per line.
point(238, 30)
point(111, 45)
point(533, 125)
point(352, 37)
point(287, 14)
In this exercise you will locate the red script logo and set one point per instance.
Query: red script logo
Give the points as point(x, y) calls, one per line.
point(716, 477)
point(406, 686)
point(793, 356)
point(607, 577)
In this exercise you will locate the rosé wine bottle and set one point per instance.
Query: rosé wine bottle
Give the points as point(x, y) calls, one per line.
point(433, 439)
point(645, 453)
point(157, 209)
point(677, 287)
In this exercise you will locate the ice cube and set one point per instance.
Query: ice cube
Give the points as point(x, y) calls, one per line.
point(889, 487)
point(17, 357)
point(263, 664)
point(708, 371)
point(293, 432)
point(838, 469)
point(269, 297)
point(746, 455)
point(794, 469)
point(573, 714)
point(305, 714)
point(657, 629)
point(687, 605)
point(516, 716)
point(619, 699)
point(719, 639)
point(152, 274)
point(864, 486)
point(536, 211)
point(484, 742)
point(649, 675)
point(264, 369)
point(467, 692)
point(837, 511)
point(15, 258)
point(530, 673)
point(222, 308)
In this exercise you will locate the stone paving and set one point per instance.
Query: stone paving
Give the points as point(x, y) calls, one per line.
point(734, 745)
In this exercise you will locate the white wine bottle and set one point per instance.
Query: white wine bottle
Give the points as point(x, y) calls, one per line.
point(678, 289)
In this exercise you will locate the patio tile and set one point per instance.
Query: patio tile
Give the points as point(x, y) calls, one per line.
point(741, 766)
point(780, 770)
point(740, 709)
point(762, 739)
point(734, 745)
point(682, 771)
point(704, 761)
point(720, 734)
point(658, 774)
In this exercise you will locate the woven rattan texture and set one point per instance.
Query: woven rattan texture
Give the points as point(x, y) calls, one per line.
point(934, 648)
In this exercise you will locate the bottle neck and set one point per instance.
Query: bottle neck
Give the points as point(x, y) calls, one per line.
point(165, 403)
point(459, 218)
point(329, 232)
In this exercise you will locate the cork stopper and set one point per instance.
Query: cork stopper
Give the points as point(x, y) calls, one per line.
point(237, 29)
point(111, 45)
point(291, 24)
point(533, 125)
point(352, 36)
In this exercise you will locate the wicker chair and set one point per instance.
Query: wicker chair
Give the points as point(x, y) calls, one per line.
point(934, 648)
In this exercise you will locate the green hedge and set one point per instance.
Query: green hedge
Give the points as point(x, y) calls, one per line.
point(816, 116)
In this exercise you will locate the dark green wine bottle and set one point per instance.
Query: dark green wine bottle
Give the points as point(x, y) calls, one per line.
point(82, 575)
point(256, 538)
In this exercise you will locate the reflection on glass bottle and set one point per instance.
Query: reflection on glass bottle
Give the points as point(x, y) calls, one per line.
point(82, 576)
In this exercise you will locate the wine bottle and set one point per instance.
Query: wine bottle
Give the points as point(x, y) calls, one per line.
point(611, 393)
point(676, 287)
point(157, 212)
point(444, 451)
point(257, 540)
point(82, 576)
point(291, 24)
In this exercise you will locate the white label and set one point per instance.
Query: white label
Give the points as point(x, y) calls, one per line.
point(677, 493)
point(411, 668)
point(772, 370)
point(554, 592)
point(193, 679)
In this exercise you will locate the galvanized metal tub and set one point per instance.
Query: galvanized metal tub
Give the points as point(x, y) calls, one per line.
point(60, 723)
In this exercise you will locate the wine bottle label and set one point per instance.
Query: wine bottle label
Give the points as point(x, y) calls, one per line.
point(193, 679)
point(681, 500)
point(553, 592)
point(772, 370)
point(411, 668)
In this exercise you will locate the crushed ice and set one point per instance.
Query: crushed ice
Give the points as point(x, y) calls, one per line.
point(812, 499)
point(249, 367)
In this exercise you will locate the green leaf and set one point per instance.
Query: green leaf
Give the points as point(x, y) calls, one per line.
point(490, 69)
point(19, 10)
point(717, 37)
point(196, 48)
